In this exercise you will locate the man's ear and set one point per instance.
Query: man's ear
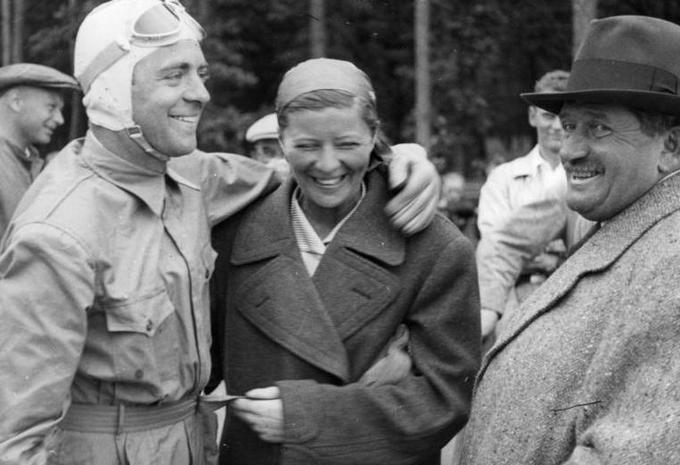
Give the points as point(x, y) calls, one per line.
point(669, 161)
point(532, 116)
point(15, 99)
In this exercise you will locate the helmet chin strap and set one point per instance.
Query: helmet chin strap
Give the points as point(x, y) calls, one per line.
point(135, 133)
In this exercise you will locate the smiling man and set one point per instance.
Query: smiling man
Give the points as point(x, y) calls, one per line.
point(105, 335)
point(587, 372)
point(31, 101)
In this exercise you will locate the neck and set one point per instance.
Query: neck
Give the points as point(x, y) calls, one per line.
point(553, 159)
point(120, 143)
point(324, 219)
point(11, 134)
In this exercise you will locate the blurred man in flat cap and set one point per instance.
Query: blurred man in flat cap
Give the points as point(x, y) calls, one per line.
point(31, 100)
point(104, 269)
point(587, 371)
point(263, 139)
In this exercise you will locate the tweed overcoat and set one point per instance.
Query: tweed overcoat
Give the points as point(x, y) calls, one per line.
point(588, 371)
point(315, 337)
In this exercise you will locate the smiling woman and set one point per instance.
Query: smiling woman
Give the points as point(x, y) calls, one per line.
point(329, 151)
point(322, 308)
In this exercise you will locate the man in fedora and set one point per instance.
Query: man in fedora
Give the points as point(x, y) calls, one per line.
point(587, 372)
point(31, 101)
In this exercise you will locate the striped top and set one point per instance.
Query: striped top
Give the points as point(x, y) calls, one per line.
point(311, 246)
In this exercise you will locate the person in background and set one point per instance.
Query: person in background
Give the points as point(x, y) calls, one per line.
point(587, 372)
point(457, 206)
point(104, 269)
point(31, 101)
point(453, 187)
point(263, 139)
point(312, 288)
point(522, 217)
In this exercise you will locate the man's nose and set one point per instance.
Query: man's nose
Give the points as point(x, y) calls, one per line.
point(58, 117)
point(197, 91)
point(573, 147)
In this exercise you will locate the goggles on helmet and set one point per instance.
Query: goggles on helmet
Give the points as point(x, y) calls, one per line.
point(159, 25)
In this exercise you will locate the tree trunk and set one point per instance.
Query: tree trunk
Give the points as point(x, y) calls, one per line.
point(76, 102)
point(203, 12)
point(6, 13)
point(422, 72)
point(584, 11)
point(317, 28)
point(18, 31)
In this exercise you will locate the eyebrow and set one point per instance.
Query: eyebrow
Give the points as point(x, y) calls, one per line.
point(183, 65)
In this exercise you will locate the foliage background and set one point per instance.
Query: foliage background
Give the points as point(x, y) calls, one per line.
point(484, 53)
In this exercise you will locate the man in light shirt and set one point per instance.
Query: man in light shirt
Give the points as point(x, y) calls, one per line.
point(523, 216)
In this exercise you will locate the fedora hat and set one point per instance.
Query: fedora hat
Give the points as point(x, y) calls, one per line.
point(627, 60)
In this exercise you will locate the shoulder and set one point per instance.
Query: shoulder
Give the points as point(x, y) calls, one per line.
point(659, 244)
point(199, 167)
point(266, 217)
point(520, 166)
point(68, 197)
point(441, 240)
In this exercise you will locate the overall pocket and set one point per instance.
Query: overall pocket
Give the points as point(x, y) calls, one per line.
point(136, 328)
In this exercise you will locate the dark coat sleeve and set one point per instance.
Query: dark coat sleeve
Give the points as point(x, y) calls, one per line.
point(409, 421)
point(222, 239)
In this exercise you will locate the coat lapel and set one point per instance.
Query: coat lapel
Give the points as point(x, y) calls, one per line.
point(352, 279)
point(595, 255)
point(279, 298)
point(311, 317)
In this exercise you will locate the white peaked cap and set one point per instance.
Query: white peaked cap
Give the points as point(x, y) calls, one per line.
point(266, 127)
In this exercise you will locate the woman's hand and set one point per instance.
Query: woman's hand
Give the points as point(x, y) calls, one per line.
point(262, 410)
point(417, 184)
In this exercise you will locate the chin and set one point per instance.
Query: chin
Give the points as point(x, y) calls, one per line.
point(179, 154)
point(178, 150)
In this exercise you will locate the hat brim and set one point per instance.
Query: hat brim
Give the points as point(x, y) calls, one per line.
point(59, 86)
point(656, 102)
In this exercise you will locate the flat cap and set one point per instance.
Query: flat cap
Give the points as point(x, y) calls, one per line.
point(30, 74)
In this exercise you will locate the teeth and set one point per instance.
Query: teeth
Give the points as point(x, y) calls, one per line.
point(583, 174)
point(328, 181)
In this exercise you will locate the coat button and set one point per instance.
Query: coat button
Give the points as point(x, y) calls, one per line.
point(149, 325)
point(139, 374)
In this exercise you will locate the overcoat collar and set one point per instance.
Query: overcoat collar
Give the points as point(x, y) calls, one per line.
point(311, 317)
point(597, 254)
point(268, 230)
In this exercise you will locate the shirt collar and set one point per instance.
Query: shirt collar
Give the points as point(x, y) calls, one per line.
point(532, 163)
point(29, 155)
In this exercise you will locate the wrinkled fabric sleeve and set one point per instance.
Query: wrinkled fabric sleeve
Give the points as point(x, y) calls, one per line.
point(229, 182)
point(503, 251)
point(635, 413)
point(494, 200)
point(408, 421)
point(46, 285)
